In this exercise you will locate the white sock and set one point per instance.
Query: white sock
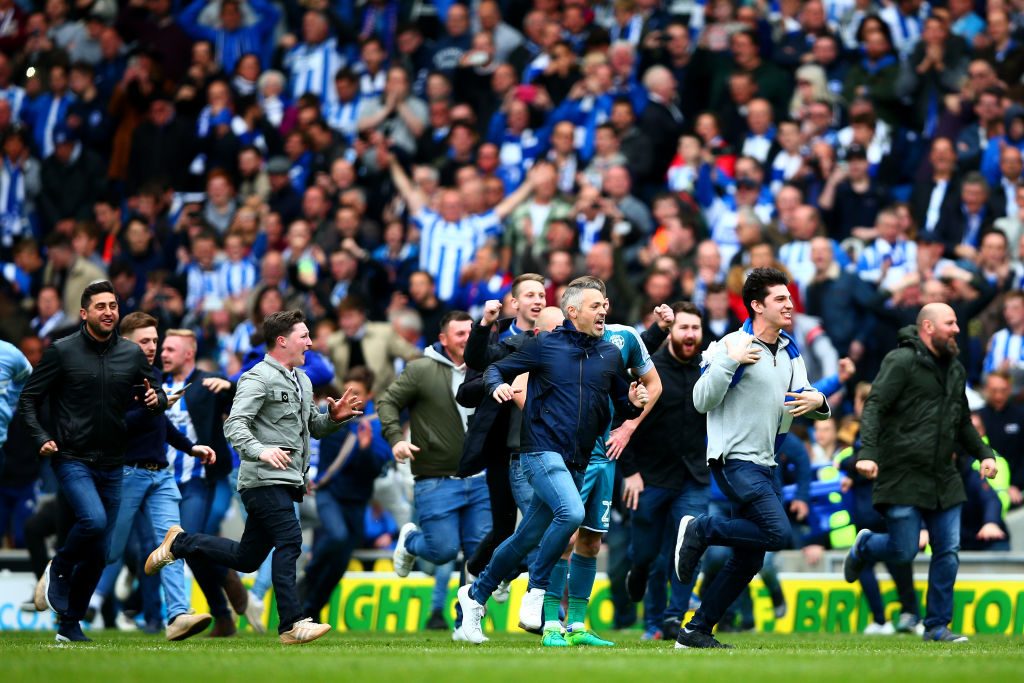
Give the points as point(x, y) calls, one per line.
point(551, 625)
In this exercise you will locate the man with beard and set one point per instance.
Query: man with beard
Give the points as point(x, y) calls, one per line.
point(88, 379)
point(753, 386)
point(914, 419)
point(665, 473)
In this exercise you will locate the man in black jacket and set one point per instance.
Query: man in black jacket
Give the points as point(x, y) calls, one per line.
point(665, 471)
point(485, 444)
point(89, 379)
point(149, 485)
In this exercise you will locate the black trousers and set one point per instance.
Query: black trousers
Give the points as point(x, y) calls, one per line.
point(503, 517)
point(271, 524)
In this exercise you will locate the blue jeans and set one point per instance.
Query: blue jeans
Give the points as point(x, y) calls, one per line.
point(340, 532)
point(522, 492)
point(221, 494)
point(17, 503)
point(452, 513)
point(654, 535)
point(157, 493)
point(900, 546)
point(555, 512)
point(758, 524)
point(196, 498)
point(94, 496)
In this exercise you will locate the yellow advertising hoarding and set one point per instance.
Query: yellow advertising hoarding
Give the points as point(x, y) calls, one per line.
point(816, 604)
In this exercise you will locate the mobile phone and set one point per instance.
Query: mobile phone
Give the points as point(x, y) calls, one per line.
point(182, 390)
point(139, 391)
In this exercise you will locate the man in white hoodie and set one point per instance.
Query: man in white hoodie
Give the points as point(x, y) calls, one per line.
point(752, 386)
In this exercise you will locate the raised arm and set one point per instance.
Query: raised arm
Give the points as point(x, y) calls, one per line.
point(414, 199)
point(509, 203)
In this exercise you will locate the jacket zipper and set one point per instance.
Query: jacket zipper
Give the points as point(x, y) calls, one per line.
point(103, 386)
point(579, 410)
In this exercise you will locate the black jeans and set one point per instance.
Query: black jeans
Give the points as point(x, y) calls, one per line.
point(271, 524)
point(503, 517)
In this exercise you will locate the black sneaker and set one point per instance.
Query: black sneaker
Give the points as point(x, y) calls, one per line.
point(437, 622)
point(943, 635)
point(71, 632)
point(853, 565)
point(689, 638)
point(58, 589)
point(636, 583)
point(689, 548)
point(670, 627)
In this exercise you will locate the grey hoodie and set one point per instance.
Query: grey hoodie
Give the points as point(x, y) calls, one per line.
point(744, 419)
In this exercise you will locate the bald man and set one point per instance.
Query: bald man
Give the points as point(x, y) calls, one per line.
point(915, 418)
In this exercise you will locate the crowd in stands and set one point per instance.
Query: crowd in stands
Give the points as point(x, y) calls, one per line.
point(379, 163)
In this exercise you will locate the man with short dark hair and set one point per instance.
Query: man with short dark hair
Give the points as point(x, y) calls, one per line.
point(915, 420)
point(454, 512)
point(88, 378)
point(272, 419)
point(752, 387)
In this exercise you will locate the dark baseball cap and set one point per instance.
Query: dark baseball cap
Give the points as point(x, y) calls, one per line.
point(928, 237)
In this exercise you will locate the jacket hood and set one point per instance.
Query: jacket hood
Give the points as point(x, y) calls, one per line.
point(908, 336)
point(436, 352)
point(1015, 111)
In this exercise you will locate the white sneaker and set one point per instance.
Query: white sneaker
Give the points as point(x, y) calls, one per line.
point(876, 629)
point(254, 613)
point(125, 623)
point(124, 584)
point(472, 616)
point(500, 593)
point(531, 610)
point(304, 631)
point(402, 558)
point(458, 636)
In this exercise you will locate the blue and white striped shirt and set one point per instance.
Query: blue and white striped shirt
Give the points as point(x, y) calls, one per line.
point(312, 69)
point(446, 248)
point(1005, 346)
point(344, 116)
point(184, 465)
point(902, 259)
point(239, 276)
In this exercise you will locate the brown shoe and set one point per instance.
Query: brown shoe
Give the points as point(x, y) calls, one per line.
point(223, 627)
point(161, 557)
point(237, 595)
point(304, 631)
point(187, 625)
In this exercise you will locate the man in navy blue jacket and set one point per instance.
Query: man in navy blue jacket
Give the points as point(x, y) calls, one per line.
point(149, 484)
point(572, 372)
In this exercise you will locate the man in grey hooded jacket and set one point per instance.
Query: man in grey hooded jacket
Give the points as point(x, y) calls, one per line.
point(751, 388)
point(272, 418)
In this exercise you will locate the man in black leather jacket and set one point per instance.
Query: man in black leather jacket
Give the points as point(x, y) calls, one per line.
point(89, 379)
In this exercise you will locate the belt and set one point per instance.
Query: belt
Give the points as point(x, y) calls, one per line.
point(472, 476)
point(151, 466)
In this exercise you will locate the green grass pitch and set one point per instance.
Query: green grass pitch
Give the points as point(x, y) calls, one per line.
point(433, 657)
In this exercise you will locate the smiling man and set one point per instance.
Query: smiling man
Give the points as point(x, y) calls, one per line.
point(272, 418)
point(752, 388)
point(572, 372)
point(89, 378)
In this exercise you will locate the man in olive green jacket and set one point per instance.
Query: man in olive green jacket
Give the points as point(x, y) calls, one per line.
point(915, 421)
point(272, 418)
point(453, 513)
